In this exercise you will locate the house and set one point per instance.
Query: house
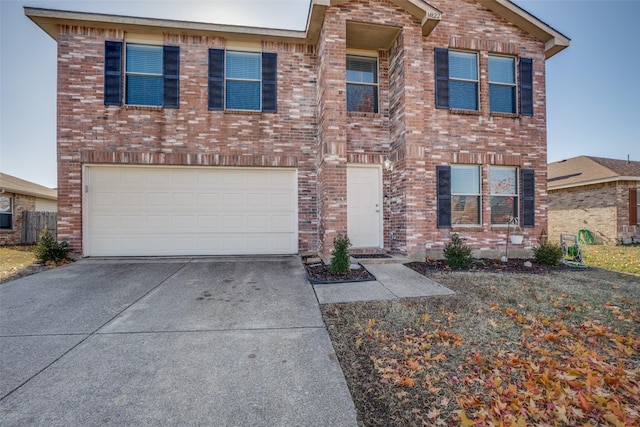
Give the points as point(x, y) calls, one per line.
point(18, 196)
point(598, 194)
point(397, 122)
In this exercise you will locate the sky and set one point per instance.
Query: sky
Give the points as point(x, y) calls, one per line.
point(593, 87)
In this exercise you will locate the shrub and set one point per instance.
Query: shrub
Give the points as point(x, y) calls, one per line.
point(48, 250)
point(548, 253)
point(458, 254)
point(340, 260)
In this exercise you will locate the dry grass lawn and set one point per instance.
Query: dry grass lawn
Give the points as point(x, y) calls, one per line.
point(14, 259)
point(506, 350)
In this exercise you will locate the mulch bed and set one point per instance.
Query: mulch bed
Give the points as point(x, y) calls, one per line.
point(319, 272)
point(487, 265)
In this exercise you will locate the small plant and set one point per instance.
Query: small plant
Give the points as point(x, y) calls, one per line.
point(458, 254)
point(340, 259)
point(547, 253)
point(49, 251)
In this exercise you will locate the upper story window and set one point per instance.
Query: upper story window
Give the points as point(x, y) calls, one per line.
point(151, 75)
point(245, 81)
point(362, 84)
point(6, 213)
point(457, 82)
point(504, 194)
point(144, 82)
point(502, 84)
point(463, 80)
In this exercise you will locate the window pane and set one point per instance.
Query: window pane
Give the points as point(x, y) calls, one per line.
point(144, 59)
point(465, 180)
point(144, 90)
point(502, 70)
point(463, 95)
point(362, 69)
point(362, 98)
point(502, 99)
point(504, 181)
point(465, 210)
point(243, 65)
point(243, 95)
point(503, 209)
point(463, 65)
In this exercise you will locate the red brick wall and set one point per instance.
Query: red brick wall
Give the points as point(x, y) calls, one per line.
point(312, 130)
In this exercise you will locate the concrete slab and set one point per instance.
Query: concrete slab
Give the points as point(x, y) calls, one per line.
point(352, 292)
point(222, 294)
point(23, 357)
point(406, 283)
point(225, 378)
point(76, 298)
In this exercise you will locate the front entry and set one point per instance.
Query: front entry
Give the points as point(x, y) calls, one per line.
point(364, 206)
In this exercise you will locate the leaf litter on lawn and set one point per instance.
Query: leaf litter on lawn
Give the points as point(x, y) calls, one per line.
point(507, 349)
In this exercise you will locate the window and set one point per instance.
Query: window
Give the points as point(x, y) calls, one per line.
point(6, 213)
point(465, 195)
point(362, 84)
point(463, 80)
point(502, 84)
point(457, 82)
point(504, 194)
point(144, 75)
point(151, 75)
point(245, 81)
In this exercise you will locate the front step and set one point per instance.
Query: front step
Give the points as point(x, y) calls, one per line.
point(390, 259)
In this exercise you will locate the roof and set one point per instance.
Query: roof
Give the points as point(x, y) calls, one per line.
point(586, 170)
point(49, 19)
point(11, 184)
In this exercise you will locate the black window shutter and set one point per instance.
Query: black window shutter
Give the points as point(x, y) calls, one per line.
point(216, 79)
point(527, 218)
point(633, 206)
point(442, 77)
point(443, 179)
point(526, 86)
point(171, 75)
point(269, 82)
point(112, 73)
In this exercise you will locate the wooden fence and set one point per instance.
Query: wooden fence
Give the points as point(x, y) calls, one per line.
point(34, 222)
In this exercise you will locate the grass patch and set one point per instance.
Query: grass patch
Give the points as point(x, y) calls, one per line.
point(625, 259)
point(507, 349)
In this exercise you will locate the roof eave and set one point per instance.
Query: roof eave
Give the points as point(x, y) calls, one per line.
point(553, 40)
point(593, 182)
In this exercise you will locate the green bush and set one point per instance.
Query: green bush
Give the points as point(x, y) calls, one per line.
point(48, 250)
point(340, 260)
point(458, 254)
point(547, 253)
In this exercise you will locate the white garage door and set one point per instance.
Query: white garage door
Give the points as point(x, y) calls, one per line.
point(152, 211)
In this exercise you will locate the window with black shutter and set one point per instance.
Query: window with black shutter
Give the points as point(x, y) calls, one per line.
point(526, 86)
point(634, 207)
point(112, 73)
point(443, 180)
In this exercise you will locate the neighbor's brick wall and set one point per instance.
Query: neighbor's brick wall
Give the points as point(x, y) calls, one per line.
point(90, 132)
point(21, 203)
point(592, 207)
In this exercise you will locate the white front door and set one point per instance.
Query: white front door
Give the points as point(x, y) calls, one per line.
point(364, 206)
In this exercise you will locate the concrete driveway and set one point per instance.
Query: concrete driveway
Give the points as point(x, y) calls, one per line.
point(204, 341)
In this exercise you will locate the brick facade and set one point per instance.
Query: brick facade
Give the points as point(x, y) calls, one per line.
point(312, 130)
point(21, 203)
point(603, 209)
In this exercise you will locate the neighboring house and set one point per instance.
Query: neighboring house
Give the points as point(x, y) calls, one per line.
point(598, 194)
point(396, 122)
point(18, 196)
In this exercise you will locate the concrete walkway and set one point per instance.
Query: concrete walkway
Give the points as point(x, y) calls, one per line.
point(211, 341)
point(393, 281)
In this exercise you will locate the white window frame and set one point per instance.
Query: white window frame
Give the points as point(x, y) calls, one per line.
point(513, 85)
point(476, 81)
point(133, 73)
point(515, 195)
point(9, 212)
point(375, 85)
point(477, 195)
point(227, 78)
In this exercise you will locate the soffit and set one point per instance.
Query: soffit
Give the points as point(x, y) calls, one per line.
point(370, 36)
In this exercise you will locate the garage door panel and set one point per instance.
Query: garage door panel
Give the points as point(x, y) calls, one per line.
point(190, 211)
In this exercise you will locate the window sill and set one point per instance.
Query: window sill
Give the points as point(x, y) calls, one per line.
point(243, 112)
point(363, 114)
point(143, 107)
point(465, 112)
point(505, 115)
point(470, 227)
